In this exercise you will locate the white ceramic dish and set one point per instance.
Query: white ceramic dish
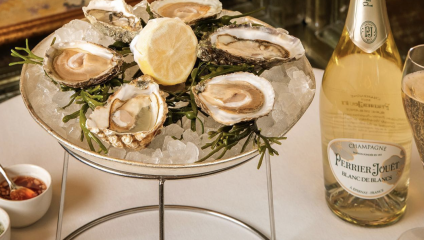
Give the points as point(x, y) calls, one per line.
point(5, 221)
point(27, 212)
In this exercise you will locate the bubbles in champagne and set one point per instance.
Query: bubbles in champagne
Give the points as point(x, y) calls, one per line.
point(413, 101)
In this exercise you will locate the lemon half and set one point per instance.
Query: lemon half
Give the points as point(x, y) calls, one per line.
point(166, 50)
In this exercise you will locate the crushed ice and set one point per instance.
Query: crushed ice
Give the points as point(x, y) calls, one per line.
point(294, 91)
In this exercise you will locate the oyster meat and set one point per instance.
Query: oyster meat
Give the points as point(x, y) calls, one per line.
point(235, 97)
point(81, 64)
point(190, 11)
point(114, 18)
point(255, 45)
point(132, 116)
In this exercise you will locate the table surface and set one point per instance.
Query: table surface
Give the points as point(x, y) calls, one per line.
point(300, 208)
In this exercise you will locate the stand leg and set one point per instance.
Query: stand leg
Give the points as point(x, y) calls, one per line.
point(161, 209)
point(62, 195)
point(270, 196)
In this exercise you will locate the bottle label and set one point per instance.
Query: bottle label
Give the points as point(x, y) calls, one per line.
point(366, 169)
point(367, 24)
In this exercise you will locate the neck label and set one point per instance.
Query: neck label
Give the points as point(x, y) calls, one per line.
point(367, 24)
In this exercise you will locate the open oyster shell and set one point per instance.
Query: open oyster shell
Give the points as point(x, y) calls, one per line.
point(190, 11)
point(81, 64)
point(132, 116)
point(114, 18)
point(235, 97)
point(255, 45)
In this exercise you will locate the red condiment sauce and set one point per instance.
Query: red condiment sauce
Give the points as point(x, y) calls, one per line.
point(34, 184)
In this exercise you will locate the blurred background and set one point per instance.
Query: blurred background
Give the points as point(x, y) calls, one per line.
point(318, 23)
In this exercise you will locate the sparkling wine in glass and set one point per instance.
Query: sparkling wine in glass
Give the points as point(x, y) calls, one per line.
point(413, 94)
point(413, 102)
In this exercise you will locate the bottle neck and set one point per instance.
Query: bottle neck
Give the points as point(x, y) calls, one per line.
point(368, 24)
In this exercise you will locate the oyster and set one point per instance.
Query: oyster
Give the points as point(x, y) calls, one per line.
point(190, 11)
point(255, 45)
point(235, 97)
point(132, 116)
point(113, 18)
point(81, 64)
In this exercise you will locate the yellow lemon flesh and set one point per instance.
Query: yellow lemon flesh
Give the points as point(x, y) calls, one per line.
point(166, 50)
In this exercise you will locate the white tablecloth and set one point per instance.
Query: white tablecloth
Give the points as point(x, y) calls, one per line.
point(300, 208)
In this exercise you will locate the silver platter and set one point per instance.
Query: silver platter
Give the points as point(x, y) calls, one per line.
point(139, 169)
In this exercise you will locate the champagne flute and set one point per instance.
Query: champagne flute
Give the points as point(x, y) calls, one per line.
point(413, 102)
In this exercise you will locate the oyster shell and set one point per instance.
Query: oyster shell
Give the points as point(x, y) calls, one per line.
point(132, 116)
point(190, 11)
point(113, 18)
point(235, 97)
point(81, 64)
point(255, 45)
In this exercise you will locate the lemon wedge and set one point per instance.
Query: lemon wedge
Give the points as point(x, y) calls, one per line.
point(166, 50)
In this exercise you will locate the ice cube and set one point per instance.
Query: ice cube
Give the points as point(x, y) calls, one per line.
point(204, 139)
point(134, 156)
point(279, 87)
point(190, 136)
point(191, 153)
point(38, 99)
point(299, 84)
point(265, 122)
point(157, 141)
point(276, 74)
point(156, 156)
point(73, 132)
point(166, 158)
point(81, 30)
point(166, 141)
point(278, 115)
point(147, 151)
point(62, 98)
point(299, 75)
point(174, 130)
point(175, 147)
point(291, 70)
point(117, 153)
point(72, 31)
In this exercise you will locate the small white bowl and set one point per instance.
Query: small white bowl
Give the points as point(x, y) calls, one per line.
point(26, 212)
point(5, 221)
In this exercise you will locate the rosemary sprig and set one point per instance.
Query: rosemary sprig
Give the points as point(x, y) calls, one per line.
point(87, 134)
point(149, 11)
point(143, 23)
point(266, 145)
point(207, 26)
point(30, 58)
point(227, 137)
point(121, 47)
point(90, 97)
point(190, 111)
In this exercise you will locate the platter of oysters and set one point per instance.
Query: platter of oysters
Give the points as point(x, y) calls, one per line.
point(169, 87)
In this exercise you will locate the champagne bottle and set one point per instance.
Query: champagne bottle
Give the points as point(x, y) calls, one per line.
point(366, 139)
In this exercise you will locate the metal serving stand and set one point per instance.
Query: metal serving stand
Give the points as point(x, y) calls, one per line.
point(161, 207)
point(158, 172)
